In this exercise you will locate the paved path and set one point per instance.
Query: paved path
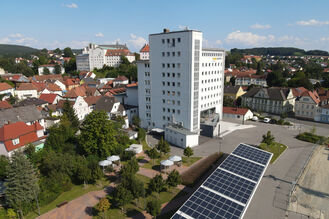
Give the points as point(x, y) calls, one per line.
point(79, 208)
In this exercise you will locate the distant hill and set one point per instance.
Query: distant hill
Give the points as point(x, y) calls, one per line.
point(16, 50)
point(279, 51)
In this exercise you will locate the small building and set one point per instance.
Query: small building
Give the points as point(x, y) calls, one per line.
point(145, 52)
point(323, 114)
point(51, 68)
point(15, 136)
point(241, 114)
point(26, 90)
point(181, 137)
point(120, 80)
point(6, 90)
point(233, 92)
point(136, 148)
point(307, 104)
point(50, 98)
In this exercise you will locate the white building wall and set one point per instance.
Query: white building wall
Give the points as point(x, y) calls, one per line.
point(9, 91)
point(24, 94)
point(81, 108)
point(144, 56)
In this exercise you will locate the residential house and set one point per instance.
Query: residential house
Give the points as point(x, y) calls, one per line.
point(51, 68)
point(32, 101)
point(307, 105)
point(71, 83)
point(86, 74)
point(50, 98)
point(233, 92)
point(145, 52)
point(112, 107)
point(273, 100)
point(322, 114)
point(120, 80)
point(242, 114)
point(28, 114)
point(15, 136)
point(26, 90)
point(79, 105)
point(247, 80)
point(15, 78)
point(6, 91)
point(91, 101)
point(44, 78)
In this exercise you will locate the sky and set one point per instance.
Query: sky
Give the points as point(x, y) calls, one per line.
point(225, 24)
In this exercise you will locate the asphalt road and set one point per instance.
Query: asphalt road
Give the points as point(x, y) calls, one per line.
point(269, 199)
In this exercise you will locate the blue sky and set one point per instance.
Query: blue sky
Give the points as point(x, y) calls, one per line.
point(225, 24)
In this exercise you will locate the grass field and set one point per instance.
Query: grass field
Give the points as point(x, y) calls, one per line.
point(276, 148)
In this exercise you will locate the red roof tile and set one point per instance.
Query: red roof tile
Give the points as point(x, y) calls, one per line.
point(48, 97)
point(313, 94)
point(146, 48)
point(235, 110)
point(132, 85)
point(25, 133)
point(5, 86)
point(27, 86)
point(5, 105)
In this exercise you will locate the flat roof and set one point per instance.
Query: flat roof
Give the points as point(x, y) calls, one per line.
point(180, 129)
point(213, 49)
point(177, 31)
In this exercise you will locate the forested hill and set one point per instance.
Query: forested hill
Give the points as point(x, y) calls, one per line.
point(279, 51)
point(16, 50)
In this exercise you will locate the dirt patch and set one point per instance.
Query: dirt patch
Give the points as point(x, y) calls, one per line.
point(311, 196)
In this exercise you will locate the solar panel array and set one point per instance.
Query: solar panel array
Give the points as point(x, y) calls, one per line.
point(227, 192)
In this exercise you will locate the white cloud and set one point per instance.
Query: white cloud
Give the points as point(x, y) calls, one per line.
point(260, 26)
point(16, 35)
point(72, 5)
point(182, 27)
point(136, 41)
point(312, 22)
point(248, 38)
point(99, 34)
point(19, 39)
point(219, 42)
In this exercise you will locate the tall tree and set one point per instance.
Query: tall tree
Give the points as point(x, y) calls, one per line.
point(174, 179)
point(68, 111)
point(163, 146)
point(153, 208)
point(156, 184)
point(46, 71)
point(58, 69)
point(98, 135)
point(4, 162)
point(58, 51)
point(188, 152)
point(122, 197)
point(268, 138)
point(68, 52)
point(21, 183)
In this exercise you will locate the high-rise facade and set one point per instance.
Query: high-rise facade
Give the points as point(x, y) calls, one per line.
point(181, 82)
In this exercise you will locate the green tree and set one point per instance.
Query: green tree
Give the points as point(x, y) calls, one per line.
point(163, 146)
point(58, 69)
point(13, 99)
point(29, 150)
point(153, 154)
point(268, 138)
point(69, 112)
point(153, 207)
point(173, 179)
point(46, 71)
point(68, 52)
point(228, 101)
point(4, 162)
point(232, 81)
point(188, 152)
point(275, 79)
point(21, 184)
point(131, 167)
point(58, 51)
point(103, 205)
point(141, 134)
point(157, 184)
point(98, 135)
point(136, 121)
point(122, 197)
point(71, 66)
point(11, 214)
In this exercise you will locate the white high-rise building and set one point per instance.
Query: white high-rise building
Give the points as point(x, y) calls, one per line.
point(181, 87)
point(96, 56)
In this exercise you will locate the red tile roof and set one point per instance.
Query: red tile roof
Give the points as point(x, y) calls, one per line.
point(27, 86)
point(47, 77)
point(235, 110)
point(5, 86)
point(117, 52)
point(50, 98)
point(313, 94)
point(146, 48)
point(121, 78)
point(91, 100)
point(5, 105)
point(75, 92)
point(297, 92)
point(25, 133)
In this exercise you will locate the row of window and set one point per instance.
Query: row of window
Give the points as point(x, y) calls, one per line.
point(173, 93)
point(173, 40)
point(209, 96)
point(210, 72)
point(147, 65)
point(209, 80)
point(173, 102)
point(173, 84)
point(147, 74)
point(172, 54)
point(210, 88)
point(209, 104)
point(211, 54)
point(147, 82)
point(170, 110)
point(172, 64)
point(211, 64)
point(172, 75)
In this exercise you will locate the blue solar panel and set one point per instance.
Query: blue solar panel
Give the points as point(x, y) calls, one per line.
point(205, 204)
point(253, 154)
point(230, 185)
point(243, 167)
point(177, 216)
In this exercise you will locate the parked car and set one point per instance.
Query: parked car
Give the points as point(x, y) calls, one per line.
point(255, 118)
point(266, 120)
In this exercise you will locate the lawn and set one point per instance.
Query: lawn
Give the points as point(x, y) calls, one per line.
point(276, 148)
point(75, 192)
point(146, 147)
point(188, 161)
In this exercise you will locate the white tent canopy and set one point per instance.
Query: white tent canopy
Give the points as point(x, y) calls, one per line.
point(113, 158)
point(104, 163)
point(167, 163)
point(175, 158)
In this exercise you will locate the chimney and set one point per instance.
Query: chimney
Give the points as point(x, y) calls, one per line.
point(165, 30)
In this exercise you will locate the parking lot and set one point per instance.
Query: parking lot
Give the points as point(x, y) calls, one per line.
point(271, 197)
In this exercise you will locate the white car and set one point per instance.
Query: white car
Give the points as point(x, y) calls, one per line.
point(255, 118)
point(266, 120)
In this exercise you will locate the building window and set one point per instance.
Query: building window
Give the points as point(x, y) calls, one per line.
point(178, 75)
point(173, 53)
point(163, 83)
point(178, 102)
point(178, 53)
point(168, 40)
point(178, 40)
point(173, 75)
point(163, 65)
point(163, 74)
point(168, 65)
point(168, 53)
point(163, 41)
point(163, 101)
point(178, 84)
point(178, 111)
point(15, 141)
point(163, 53)
point(168, 118)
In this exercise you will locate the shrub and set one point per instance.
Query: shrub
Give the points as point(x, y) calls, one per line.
point(309, 137)
point(190, 176)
